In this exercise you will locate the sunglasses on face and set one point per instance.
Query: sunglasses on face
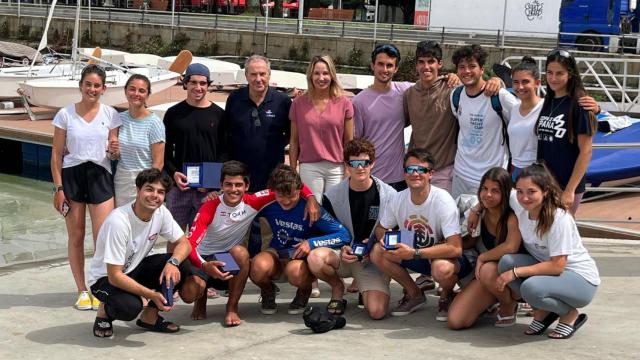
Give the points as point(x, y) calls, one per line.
point(256, 118)
point(359, 163)
point(411, 169)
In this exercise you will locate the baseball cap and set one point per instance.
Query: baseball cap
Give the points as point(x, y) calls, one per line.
point(197, 69)
point(321, 321)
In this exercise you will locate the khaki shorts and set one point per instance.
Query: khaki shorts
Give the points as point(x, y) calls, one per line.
point(366, 274)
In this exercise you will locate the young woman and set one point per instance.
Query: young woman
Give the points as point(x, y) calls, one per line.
point(81, 169)
point(522, 141)
point(559, 276)
point(321, 123)
point(140, 142)
point(499, 235)
point(565, 130)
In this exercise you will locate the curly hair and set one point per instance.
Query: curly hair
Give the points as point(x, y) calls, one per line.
point(359, 146)
point(469, 52)
point(284, 180)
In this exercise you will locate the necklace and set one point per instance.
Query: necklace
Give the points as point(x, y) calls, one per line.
point(554, 108)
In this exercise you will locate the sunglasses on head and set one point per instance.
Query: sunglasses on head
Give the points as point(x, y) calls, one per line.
point(386, 47)
point(359, 163)
point(560, 53)
point(256, 118)
point(411, 169)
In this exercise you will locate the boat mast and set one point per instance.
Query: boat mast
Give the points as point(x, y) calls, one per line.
point(76, 34)
point(43, 40)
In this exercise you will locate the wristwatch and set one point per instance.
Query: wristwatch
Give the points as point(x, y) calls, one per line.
point(57, 188)
point(173, 261)
point(416, 254)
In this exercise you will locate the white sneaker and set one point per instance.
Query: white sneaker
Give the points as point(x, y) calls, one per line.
point(315, 292)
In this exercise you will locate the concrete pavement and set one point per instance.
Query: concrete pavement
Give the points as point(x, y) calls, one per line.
point(38, 322)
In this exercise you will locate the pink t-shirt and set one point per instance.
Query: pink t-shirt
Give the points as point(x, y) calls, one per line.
point(320, 134)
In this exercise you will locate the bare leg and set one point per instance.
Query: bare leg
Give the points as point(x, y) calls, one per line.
point(264, 268)
point(488, 277)
point(98, 213)
point(468, 305)
point(236, 285)
point(376, 303)
point(323, 263)
point(75, 222)
point(391, 266)
point(444, 272)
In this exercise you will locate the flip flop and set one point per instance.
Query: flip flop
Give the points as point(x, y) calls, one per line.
point(509, 320)
point(337, 307)
point(160, 325)
point(538, 327)
point(566, 331)
point(103, 324)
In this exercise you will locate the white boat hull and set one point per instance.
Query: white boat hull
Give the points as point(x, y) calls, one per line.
point(10, 77)
point(59, 92)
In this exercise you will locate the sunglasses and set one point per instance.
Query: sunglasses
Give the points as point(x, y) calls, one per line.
point(386, 47)
point(256, 118)
point(560, 53)
point(359, 163)
point(411, 169)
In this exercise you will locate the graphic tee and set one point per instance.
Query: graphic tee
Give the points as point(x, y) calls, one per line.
point(432, 222)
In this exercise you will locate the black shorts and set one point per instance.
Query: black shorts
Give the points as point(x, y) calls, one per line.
point(211, 282)
point(87, 183)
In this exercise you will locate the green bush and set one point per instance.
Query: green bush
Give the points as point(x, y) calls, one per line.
point(355, 58)
point(24, 31)
point(4, 30)
point(207, 49)
point(407, 69)
point(180, 40)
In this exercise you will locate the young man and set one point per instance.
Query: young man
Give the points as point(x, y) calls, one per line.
point(379, 115)
point(481, 143)
point(194, 133)
point(257, 121)
point(432, 215)
point(294, 242)
point(428, 110)
point(220, 226)
point(356, 203)
point(122, 271)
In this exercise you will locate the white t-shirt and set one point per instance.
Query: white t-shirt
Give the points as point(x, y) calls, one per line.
point(480, 140)
point(562, 239)
point(522, 138)
point(433, 221)
point(87, 141)
point(126, 240)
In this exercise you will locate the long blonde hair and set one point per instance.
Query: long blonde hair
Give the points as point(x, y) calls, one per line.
point(335, 89)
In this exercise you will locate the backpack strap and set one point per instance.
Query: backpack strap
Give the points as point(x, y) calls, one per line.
point(497, 107)
point(456, 98)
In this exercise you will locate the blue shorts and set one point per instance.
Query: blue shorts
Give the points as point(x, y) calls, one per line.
point(423, 266)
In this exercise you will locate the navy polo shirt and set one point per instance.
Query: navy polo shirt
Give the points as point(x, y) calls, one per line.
point(259, 146)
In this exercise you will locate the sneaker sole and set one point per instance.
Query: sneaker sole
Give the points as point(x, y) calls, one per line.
point(442, 318)
point(268, 311)
point(295, 311)
point(404, 313)
point(83, 307)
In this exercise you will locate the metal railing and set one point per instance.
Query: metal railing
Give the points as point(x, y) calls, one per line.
point(617, 79)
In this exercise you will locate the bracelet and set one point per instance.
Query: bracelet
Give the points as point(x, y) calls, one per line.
point(515, 273)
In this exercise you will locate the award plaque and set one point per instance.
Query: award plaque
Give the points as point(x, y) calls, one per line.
point(230, 264)
point(203, 175)
point(393, 238)
point(359, 250)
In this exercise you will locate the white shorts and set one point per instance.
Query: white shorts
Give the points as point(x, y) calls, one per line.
point(124, 183)
point(366, 274)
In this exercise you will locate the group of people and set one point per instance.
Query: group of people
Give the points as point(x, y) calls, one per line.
point(350, 184)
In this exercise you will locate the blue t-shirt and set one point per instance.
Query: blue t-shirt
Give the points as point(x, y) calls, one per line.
point(289, 228)
point(258, 142)
point(136, 137)
point(554, 146)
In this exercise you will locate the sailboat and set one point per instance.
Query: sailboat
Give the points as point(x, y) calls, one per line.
point(56, 92)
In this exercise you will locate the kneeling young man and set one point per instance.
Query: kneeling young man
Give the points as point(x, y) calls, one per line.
point(294, 242)
point(219, 227)
point(356, 203)
point(122, 272)
point(432, 215)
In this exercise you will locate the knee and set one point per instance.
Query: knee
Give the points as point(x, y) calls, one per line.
point(442, 270)
point(488, 273)
point(259, 267)
point(455, 322)
point(529, 291)
point(377, 311)
point(241, 256)
point(507, 262)
point(192, 289)
point(127, 310)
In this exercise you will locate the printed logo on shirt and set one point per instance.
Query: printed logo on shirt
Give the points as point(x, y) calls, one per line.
point(238, 214)
point(262, 193)
point(373, 212)
point(153, 237)
point(128, 262)
point(476, 124)
point(423, 233)
point(551, 127)
point(289, 225)
point(283, 236)
point(540, 246)
point(269, 114)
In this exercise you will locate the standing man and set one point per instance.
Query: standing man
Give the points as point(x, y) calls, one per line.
point(257, 121)
point(432, 215)
point(481, 141)
point(122, 272)
point(379, 115)
point(194, 133)
point(356, 202)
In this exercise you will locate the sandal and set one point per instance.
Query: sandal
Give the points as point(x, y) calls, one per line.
point(566, 331)
point(160, 326)
point(337, 307)
point(103, 324)
point(506, 321)
point(538, 327)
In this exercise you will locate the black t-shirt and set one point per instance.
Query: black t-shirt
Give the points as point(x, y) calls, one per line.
point(365, 207)
point(554, 147)
point(193, 135)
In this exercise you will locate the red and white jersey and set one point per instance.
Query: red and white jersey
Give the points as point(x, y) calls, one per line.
point(218, 227)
